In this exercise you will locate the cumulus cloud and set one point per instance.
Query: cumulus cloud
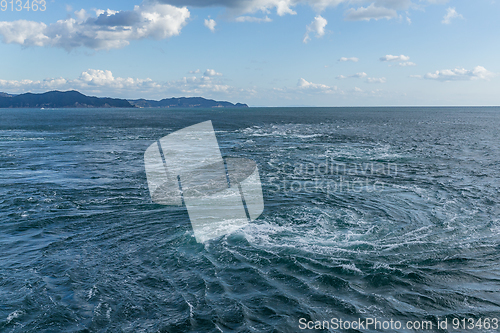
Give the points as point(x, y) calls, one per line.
point(353, 59)
point(238, 7)
point(282, 7)
point(460, 74)
point(87, 79)
point(390, 57)
point(376, 80)
point(160, 19)
point(354, 76)
point(211, 72)
point(305, 88)
point(317, 26)
point(451, 13)
point(371, 12)
point(210, 24)
point(359, 75)
point(24, 32)
point(316, 87)
point(103, 82)
point(81, 15)
point(107, 30)
point(252, 19)
point(393, 4)
point(407, 63)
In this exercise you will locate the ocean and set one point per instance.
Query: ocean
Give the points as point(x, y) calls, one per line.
point(371, 215)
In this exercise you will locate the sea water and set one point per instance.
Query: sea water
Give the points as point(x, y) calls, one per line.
point(384, 213)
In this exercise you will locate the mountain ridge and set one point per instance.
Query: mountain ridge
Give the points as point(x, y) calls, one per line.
point(183, 102)
point(75, 99)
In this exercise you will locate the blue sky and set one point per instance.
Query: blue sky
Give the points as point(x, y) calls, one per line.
point(259, 52)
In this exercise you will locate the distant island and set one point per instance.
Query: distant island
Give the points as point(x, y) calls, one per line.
point(75, 99)
point(185, 102)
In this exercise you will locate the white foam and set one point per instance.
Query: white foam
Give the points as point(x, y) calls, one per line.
point(14, 315)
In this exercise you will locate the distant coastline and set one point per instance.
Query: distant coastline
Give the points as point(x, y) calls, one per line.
point(75, 99)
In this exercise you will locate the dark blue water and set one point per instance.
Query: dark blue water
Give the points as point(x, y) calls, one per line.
point(403, 224)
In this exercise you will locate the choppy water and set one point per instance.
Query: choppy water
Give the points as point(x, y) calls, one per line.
point(404, 225)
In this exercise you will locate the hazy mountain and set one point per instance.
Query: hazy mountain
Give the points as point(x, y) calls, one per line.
point(75, 99)
point(184, 102)
point(59, 99)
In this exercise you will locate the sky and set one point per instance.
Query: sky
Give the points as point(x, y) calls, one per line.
point(259, 52)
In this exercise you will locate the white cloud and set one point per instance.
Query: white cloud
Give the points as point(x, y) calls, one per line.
point(98, 77)
point(460, 74)
point(407, 63)
point(211, 72)
point(252, 19)
point(376, 80)
point(238, 7)
point(359, 75)
point(104, 83)
point(354, 76)
point(81, 15)
point(316, 87)
point(107, 30)
point(303, 89)
point(393, 4)
point(160, 19)
point(370, 12)
point(210, 24)
point(87, 79)
point(24, 32)
point(194, 72)
point(353, 59)
point(318, 26)
point(195, 86)
point(451, 13)
point(390, 57)
point(283, 7)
